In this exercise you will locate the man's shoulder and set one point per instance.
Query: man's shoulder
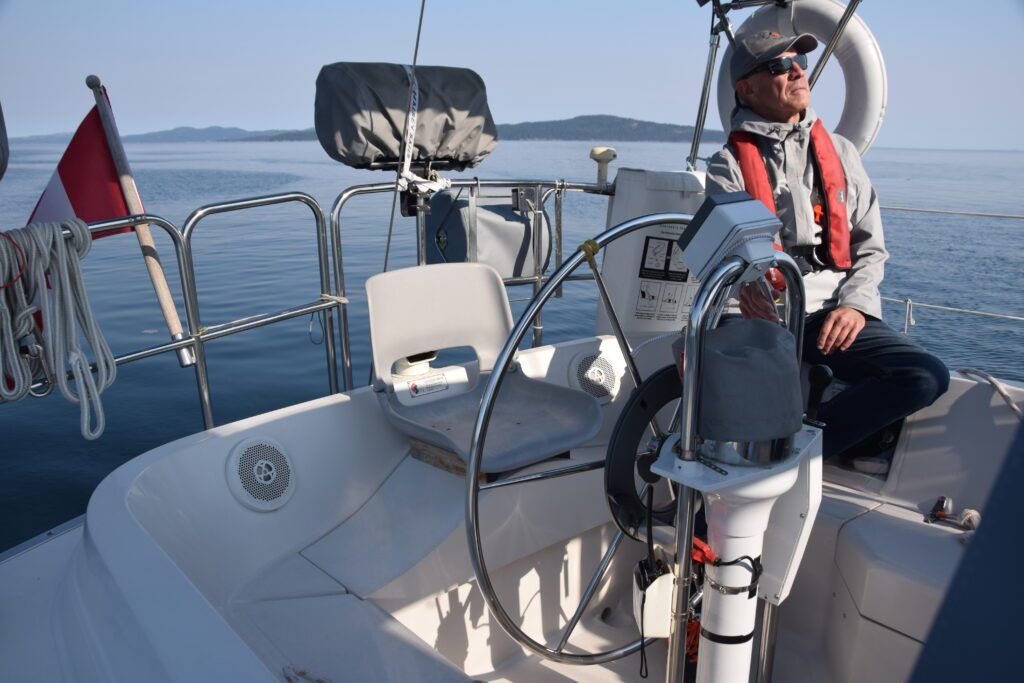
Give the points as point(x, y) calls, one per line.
point(723, 173)
point(844, 146)
point(849, 156)
point(722, 161)
point(725, 151)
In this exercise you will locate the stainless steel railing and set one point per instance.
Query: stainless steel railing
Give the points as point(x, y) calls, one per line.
point(197, 335)
point(192, 312)
point(544, 189)
point(332, 293)
point(909, 304)
point(329, 257)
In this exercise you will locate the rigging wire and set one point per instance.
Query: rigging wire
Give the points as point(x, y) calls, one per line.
point(398, 171)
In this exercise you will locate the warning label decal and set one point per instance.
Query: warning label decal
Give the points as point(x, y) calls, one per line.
point(427, 385)
point(661, 261)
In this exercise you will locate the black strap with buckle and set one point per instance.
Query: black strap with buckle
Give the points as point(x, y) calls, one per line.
point(806, 259)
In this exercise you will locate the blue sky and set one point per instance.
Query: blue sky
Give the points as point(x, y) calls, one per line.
point(953, 75)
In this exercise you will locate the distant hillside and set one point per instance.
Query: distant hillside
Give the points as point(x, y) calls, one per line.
point(190, 134)
point(179, 134)
point(598, 128)
point(603, 128)
point(62, 138)
point(281, 136)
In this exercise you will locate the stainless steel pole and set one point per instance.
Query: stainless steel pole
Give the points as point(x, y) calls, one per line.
point(702, 110)
point(421, 228)
point(325, 290)
point(538, 225)
point(695, 328)
point(833, 41)
point(559, 206)
point(685, 510)
point(766, 646)
point(703, 305)
point(795, 324)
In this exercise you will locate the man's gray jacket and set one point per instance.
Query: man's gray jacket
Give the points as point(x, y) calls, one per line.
point(786, 149)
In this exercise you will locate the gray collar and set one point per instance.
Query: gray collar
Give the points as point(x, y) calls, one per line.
point(745, 119)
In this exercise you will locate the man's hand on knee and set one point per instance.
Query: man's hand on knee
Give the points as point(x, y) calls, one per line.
point(840, 329)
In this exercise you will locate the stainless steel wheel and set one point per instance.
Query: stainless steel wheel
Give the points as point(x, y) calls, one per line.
point(473, 486)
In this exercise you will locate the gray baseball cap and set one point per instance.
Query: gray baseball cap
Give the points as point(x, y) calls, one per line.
point(757, 48)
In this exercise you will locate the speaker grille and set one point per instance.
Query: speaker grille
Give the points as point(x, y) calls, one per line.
point(264, 472)
point(596, 376)
point(260, 474)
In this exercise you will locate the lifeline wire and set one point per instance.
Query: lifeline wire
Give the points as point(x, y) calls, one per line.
point(398, 173)
point(51, 287)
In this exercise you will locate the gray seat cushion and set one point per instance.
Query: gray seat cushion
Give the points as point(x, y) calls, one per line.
point(531, 421)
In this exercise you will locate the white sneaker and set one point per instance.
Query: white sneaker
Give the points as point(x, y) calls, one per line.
point(871, 465)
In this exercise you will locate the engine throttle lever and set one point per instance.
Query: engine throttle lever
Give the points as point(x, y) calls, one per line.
point(820, 379)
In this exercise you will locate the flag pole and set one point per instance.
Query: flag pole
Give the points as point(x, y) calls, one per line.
point(134, 202)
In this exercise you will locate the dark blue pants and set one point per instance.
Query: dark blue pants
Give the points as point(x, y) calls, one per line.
point(889, 375)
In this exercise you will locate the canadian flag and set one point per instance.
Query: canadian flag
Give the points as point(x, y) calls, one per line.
point(85, 183)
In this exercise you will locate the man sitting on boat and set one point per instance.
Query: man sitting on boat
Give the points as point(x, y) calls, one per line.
point(781, 153)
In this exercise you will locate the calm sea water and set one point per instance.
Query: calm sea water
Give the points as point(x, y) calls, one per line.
point(265, 259)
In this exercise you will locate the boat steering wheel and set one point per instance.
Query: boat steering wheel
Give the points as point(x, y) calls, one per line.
point(473, 486)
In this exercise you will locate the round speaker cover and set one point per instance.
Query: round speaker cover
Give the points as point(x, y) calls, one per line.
point(260, 474)
point(593, 373)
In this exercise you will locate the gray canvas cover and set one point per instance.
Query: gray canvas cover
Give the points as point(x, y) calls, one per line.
point(4, 149)
point(361, 109)
point(750, 384)
point(463, 227)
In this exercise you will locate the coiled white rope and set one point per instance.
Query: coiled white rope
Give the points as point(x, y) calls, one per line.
point(41, 273)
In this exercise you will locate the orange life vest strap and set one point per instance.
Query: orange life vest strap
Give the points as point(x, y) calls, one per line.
point(757, 185)
point(755, 174)
point(833, 180)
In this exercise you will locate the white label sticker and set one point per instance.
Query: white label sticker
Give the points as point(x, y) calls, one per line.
point(670, 300)
point(647, 299)
point(427, 385)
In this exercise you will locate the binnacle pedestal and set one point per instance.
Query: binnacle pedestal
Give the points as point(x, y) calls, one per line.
point(741, 506)
point(742, 443)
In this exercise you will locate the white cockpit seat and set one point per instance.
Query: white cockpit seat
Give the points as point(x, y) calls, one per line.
point(455, 305)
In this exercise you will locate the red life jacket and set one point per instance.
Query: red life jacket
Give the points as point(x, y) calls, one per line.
point(836, 233)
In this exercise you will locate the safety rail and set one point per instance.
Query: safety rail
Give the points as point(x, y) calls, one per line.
point(191, 346)
point(909, 304)
point(953, 212)
point(196, 335)
point(543, 188)
point(325, 303)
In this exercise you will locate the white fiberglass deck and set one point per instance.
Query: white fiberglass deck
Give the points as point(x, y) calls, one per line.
point(364, 573)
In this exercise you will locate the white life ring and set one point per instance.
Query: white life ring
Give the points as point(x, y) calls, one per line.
point(857, 53)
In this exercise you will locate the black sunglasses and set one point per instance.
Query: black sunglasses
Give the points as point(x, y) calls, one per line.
point(780, 65)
